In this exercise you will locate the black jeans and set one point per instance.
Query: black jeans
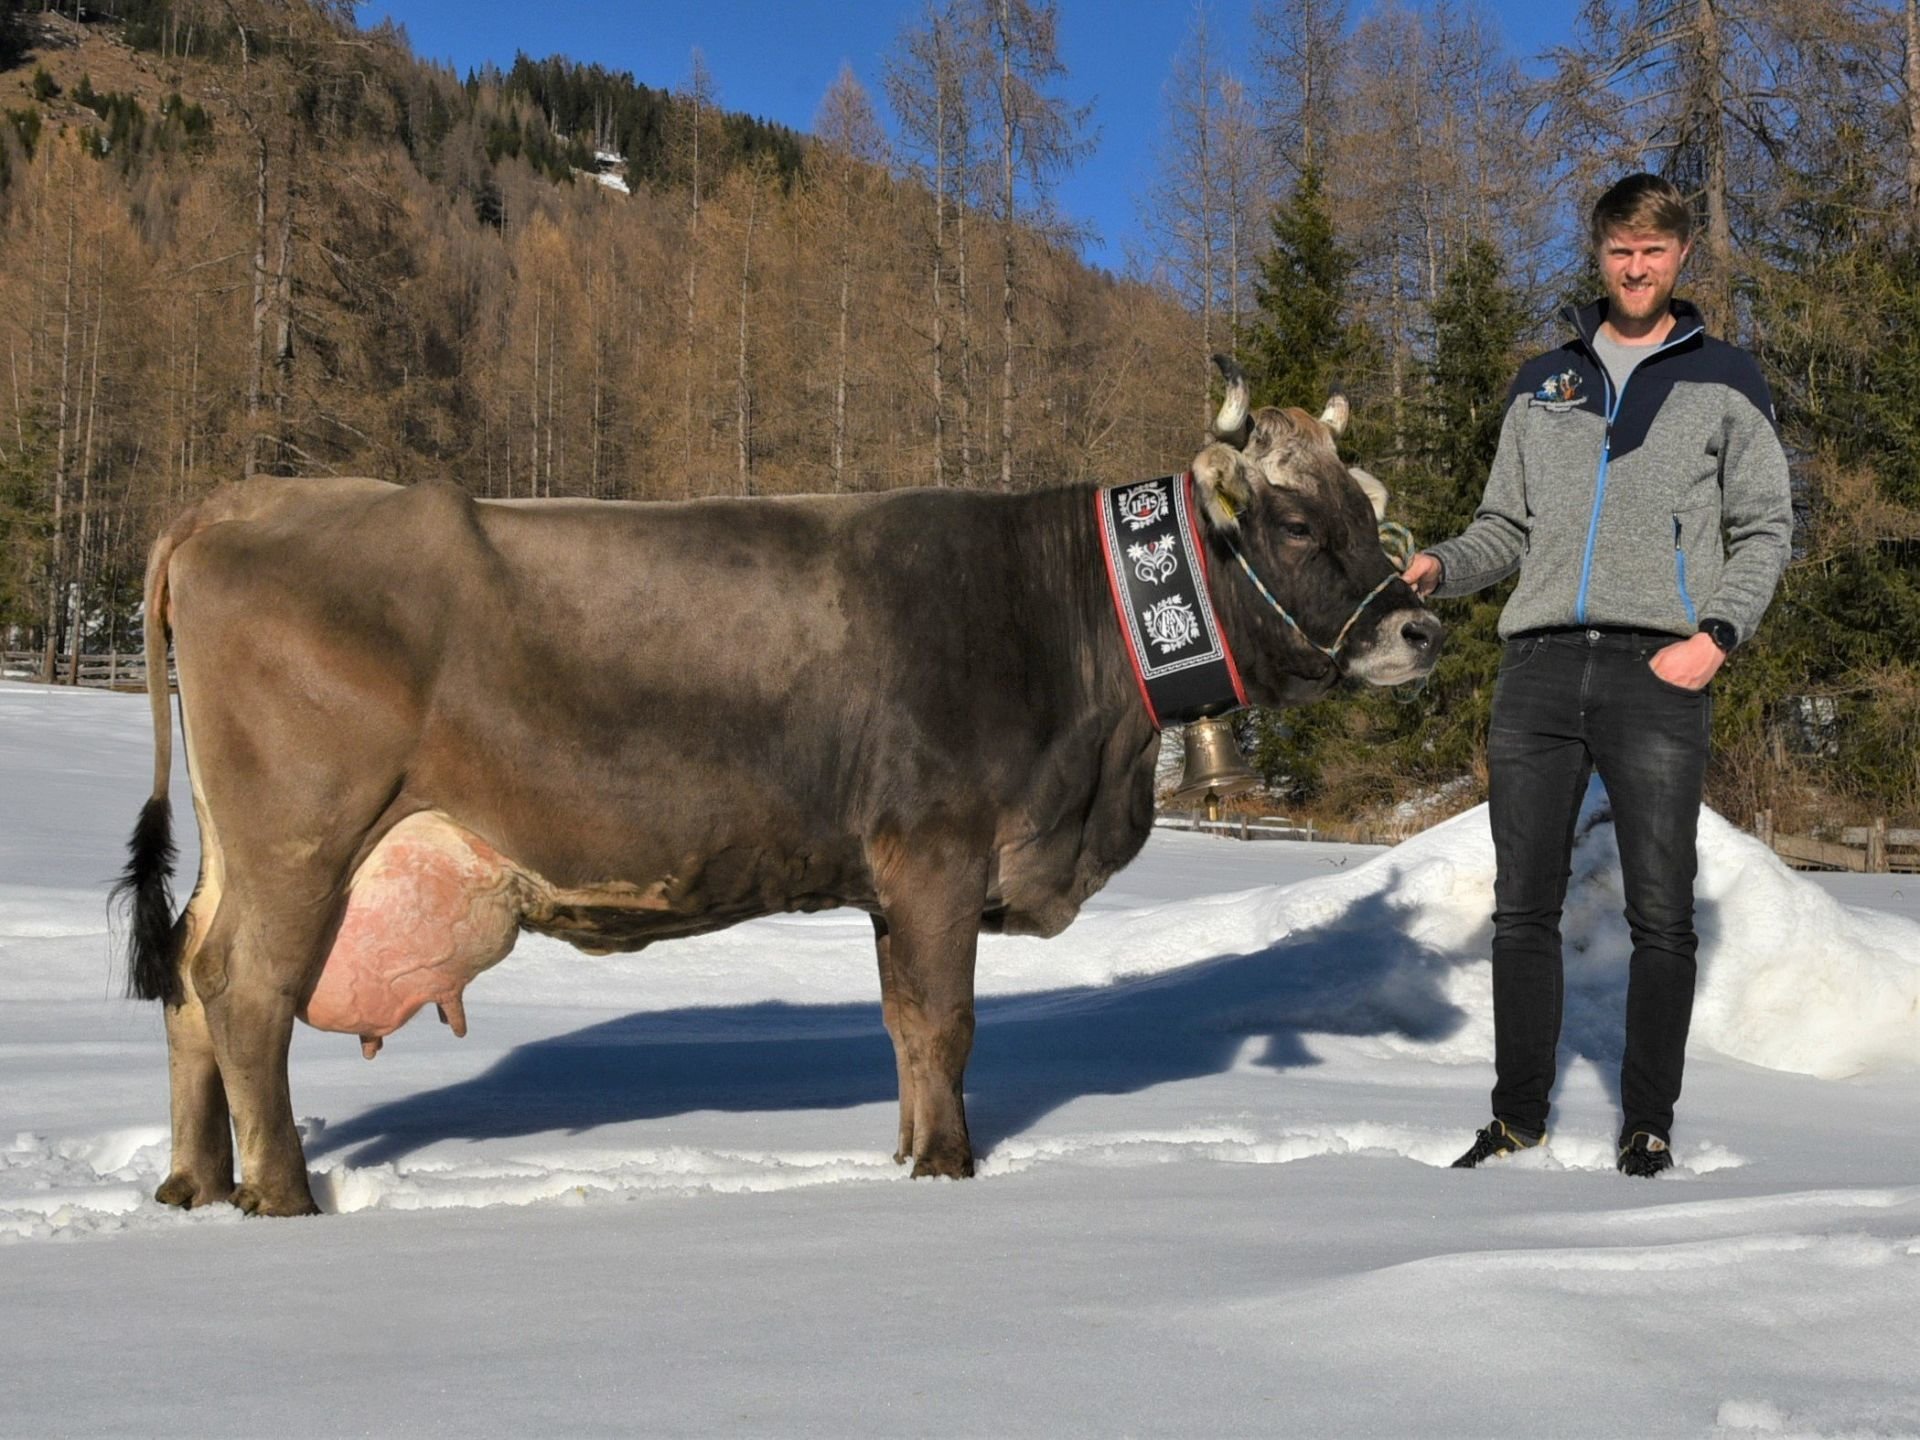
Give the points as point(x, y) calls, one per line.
point(1568, 703)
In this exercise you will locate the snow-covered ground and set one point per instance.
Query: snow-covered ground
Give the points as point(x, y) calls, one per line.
point(651, 1194)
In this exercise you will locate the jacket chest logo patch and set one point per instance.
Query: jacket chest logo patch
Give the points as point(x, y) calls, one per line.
point(1566, 388)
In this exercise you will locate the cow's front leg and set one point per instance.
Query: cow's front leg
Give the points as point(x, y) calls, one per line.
point(932, 894)
point(890, 1014)
point(250, 1003)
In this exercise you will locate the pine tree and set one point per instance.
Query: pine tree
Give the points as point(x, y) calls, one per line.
point(1478, 322)
point(1361, 750)
point(1300, 344)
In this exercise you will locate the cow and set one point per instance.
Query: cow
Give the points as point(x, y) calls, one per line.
point(417, 723)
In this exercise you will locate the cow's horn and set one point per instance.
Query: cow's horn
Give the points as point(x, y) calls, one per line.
point(1335, 416)
point(1230, 424)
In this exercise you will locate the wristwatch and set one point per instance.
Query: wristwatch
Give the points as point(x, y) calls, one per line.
point(1721, 633)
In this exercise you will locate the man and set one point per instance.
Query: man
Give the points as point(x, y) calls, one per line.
point(1641, 492)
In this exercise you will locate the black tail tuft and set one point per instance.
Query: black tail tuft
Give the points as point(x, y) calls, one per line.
point(151, 970)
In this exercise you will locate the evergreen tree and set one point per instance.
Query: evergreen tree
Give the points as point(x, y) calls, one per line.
point(1300, 346)
point(1362, 749)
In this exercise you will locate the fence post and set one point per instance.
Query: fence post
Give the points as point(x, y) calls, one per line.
point(1763, 827)
point(1877, 846)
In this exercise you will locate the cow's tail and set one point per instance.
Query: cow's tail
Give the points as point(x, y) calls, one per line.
point(152, 963)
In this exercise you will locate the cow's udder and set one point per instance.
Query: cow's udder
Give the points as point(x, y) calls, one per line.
point(430, 908)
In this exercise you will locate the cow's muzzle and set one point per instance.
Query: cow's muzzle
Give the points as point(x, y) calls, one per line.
point(1402, 648)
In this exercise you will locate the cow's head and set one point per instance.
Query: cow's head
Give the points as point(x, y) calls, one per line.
point(1273, 486)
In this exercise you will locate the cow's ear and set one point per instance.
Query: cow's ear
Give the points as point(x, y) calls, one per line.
point(1375, 491)
point(1226, 489)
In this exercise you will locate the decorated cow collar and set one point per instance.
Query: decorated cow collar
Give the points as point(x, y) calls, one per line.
point(1156, 572)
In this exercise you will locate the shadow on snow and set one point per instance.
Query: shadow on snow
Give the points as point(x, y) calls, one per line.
point(1361, 974)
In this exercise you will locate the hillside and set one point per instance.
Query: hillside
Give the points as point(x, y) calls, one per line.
point(325, 257)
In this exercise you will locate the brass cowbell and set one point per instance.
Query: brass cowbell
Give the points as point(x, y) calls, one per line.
point(1214, 767)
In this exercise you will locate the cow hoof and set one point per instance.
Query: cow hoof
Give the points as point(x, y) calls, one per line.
point(183, 1192)
point(953, 1166)
point(250, 1200)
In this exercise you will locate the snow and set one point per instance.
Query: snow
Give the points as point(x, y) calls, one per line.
point(1214, 1120)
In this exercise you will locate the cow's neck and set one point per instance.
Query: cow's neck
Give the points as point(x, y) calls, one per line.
point(1063, 570)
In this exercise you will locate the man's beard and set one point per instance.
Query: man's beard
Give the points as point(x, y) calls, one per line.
point(1640, 304)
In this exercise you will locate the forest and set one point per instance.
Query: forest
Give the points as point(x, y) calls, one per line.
point(258, 237)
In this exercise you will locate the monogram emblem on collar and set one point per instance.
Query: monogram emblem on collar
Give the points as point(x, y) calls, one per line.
point(1171, 624)
point(1144, 504)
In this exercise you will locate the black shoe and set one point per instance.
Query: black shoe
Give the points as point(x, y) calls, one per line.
point(1645, 1156)
point(1499, 1138)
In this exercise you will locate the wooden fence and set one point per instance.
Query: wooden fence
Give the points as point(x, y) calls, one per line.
point(1871, 849)
point(116, 671)
point(1279, 827)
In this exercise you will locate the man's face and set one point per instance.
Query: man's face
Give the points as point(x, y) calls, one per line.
point(1639, 269)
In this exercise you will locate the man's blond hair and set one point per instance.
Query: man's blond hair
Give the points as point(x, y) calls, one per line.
point(1641, 204)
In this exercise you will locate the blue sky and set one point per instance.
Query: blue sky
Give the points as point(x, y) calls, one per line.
point(776, 60)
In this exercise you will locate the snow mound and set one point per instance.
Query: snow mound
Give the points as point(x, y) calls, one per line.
point(1394, 953)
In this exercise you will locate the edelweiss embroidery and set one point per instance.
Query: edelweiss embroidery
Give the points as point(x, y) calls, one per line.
point(1171, 624)
point(1561, 389)
point(1144, 505)
point(1154, 560)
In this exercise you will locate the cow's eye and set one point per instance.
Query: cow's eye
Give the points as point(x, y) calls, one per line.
point(1296, 529)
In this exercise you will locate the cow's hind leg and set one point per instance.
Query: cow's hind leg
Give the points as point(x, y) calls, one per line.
point(202, 1167)
point(931, 895)
point(251, 977)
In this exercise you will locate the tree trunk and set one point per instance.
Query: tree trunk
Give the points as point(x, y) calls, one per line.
point(1913, 117)
point(1006, 248)
point(283, 338)
point(547, 490)
point(256, 359)
point(56, 559)
point(842, 353)
point(86, 494)
point(1713, 139)
point(743, 379)
point(939, 296)
point(966, 336)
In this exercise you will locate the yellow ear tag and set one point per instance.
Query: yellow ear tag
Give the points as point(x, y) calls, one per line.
point(1220, 499)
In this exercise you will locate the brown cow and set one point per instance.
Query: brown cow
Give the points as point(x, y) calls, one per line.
point(418, 723)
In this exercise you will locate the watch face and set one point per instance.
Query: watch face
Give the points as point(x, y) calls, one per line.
point(1721, 633)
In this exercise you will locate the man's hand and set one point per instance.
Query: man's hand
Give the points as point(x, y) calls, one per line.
point(1422, 574)
point(1688, 663)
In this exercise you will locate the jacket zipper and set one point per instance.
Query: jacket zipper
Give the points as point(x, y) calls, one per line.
point(1606, 454)
point(1680, 573)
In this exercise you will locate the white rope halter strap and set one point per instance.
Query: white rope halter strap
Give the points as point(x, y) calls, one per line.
point(1396, 540)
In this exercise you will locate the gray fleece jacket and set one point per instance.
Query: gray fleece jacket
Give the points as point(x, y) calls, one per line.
point(1659, 507)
